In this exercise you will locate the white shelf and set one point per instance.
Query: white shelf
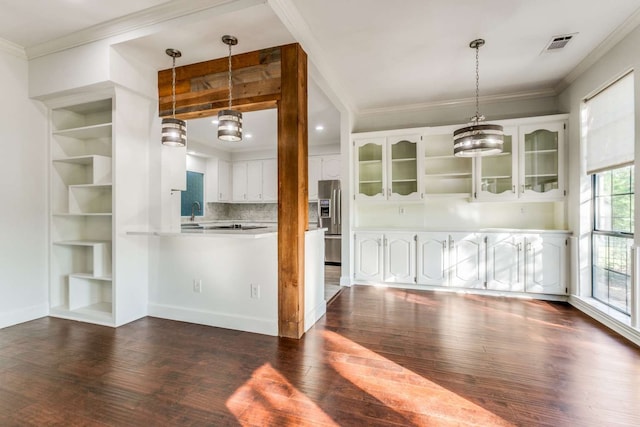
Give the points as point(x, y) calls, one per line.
point(81, 242)
point(379, 181)
point(102, 130)
point(107, 185)
point(497, 177)
point(95, 313)
point(408, 159)
point(443, 157)
point(369, 162)
point(542, 175)
point(449, 175)
point(404, 180)
point(80, 160)
point(541, 151)
point(106, 278)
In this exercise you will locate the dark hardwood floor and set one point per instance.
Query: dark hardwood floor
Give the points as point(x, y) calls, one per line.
point(379, 357)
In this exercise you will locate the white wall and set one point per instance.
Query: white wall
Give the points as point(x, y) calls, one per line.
point(23, 210)
point(439, 115)
point(622, 58)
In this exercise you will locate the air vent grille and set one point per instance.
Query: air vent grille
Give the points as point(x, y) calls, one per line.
point(558, 42)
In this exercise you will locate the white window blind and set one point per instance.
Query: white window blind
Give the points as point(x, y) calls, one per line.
point(608, 122)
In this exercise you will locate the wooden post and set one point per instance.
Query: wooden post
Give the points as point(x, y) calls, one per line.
point(263, 79)
point(293, 204)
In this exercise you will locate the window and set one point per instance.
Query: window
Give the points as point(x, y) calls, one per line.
point(608, 132)
point(613, 228)
point(192, 197)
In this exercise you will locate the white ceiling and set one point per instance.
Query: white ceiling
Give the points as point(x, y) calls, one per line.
point(374, 54)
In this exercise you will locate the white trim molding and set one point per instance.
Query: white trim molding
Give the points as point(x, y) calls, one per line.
point(12, 49)
point(22, 315)
point(609, 320)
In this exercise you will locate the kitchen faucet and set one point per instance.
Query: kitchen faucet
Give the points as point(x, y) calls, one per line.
point(195, 205)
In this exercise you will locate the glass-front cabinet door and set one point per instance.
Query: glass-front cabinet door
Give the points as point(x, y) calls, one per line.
point(370, 168)
point(497, 175)
point(402, 170)
point(541, 161)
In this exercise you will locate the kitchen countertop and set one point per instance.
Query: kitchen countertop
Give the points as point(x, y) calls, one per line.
point(216, 232)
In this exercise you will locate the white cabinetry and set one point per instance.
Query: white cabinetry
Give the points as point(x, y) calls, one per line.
point(531, 166)
point(533, 263)
point(218, 176)
point(85, 226)
point(545, 268)
point(322, 168)
point(514, 262)
point(270, 180)
point(387, 168)
point(368, 253)
point(400, 257)
point(505, 262)
point(433, 258)
point(255, 181)
point(467, 261)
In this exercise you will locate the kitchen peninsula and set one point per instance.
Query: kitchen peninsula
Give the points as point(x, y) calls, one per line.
point(228, 278)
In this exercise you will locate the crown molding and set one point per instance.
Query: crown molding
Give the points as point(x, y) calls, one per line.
point(134, 22)
point(12, 49)
point(517, 96)
point(630, 24)
point(298, 27)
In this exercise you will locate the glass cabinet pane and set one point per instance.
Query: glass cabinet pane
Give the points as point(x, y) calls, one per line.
point(541, 161)
point(497, 171)
point(404, 168)
point(370, 171)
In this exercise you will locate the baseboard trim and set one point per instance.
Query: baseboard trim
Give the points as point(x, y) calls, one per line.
point(313, 315)
point(609, 321)
point(218, 320)
point(345, 281)
point(22, 315)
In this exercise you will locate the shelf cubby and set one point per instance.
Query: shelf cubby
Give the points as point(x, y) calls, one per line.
point(82, 212)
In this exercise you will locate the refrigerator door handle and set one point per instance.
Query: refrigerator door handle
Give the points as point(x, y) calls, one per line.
point(339, 204)
point(333, 207)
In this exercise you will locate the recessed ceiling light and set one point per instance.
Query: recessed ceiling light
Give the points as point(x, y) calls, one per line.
point(319, 128)
point(249, 135)
point(191, 152)
point(214, 121)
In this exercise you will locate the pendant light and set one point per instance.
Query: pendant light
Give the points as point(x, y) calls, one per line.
point(174, 131)
point(477, 139)
point(230, 121)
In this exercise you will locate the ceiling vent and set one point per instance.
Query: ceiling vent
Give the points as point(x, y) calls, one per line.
point(559, 42)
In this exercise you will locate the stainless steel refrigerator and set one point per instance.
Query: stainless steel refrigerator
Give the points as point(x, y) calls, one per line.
point(329, 217)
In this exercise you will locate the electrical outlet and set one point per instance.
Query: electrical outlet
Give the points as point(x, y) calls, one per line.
point(197, 285)
point(401, 210)
point(255, 291)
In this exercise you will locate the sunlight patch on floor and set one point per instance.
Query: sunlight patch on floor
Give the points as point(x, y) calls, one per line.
point(419, 400)
point(267, 398)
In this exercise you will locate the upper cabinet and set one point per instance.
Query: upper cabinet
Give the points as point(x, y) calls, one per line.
point(218, 181)
point(542, 161)
point(322, 168)
point(531, 166)
point(387, 168)
point(255, 181)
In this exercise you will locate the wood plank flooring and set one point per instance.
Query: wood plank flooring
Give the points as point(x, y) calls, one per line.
point(380, 357)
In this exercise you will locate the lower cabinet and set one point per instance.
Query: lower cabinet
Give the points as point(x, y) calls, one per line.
point(514, 262)
point(368, 254)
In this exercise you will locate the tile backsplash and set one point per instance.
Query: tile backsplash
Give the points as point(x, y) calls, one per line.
point(254, 212)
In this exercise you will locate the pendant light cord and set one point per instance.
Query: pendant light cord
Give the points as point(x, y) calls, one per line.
point(230, 77)
point(173, 87)
point(477, 117)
